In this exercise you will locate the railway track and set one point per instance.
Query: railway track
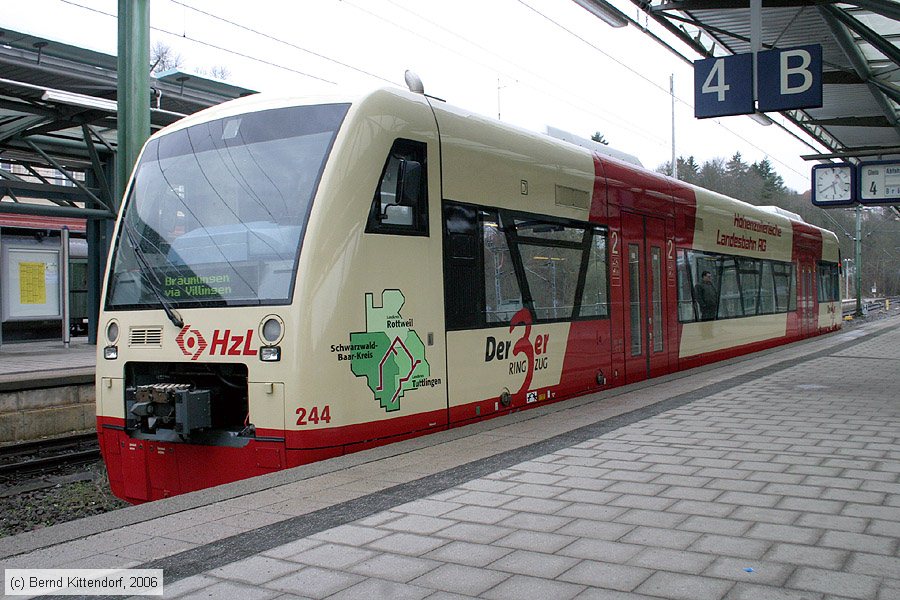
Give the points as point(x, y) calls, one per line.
point(849, 306)
point(52, 481)
point(39, 457)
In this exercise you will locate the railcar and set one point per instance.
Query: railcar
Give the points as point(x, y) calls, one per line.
point(296, 279)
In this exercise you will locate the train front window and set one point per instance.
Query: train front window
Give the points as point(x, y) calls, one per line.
point(217, 210)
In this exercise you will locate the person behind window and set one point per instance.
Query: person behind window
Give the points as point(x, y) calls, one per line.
point(707, 296)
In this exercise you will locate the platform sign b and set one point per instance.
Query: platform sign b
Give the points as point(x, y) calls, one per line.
point(789, 78)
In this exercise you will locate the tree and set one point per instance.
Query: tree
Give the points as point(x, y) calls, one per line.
point(712, 175)
point(690, 163)
point(220, 72)
point(773, 183)
point(598, 137)
point(736, 166)
point(688, 169)
point(163, 58)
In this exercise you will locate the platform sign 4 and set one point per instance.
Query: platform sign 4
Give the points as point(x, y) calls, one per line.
point(723, 86)
point(879, 182)
point(789, 78)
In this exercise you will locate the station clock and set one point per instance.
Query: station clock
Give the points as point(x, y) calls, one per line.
point(834, 184)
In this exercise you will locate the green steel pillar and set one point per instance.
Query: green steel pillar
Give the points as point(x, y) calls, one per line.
point(133, 88)
point(858, 261)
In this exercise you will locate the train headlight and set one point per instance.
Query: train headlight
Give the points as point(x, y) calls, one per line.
point(270, 353)
point(271, 329)
point(112, 332)
point(111, 352)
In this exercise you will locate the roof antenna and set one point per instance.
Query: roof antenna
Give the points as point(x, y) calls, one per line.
point(414, 82)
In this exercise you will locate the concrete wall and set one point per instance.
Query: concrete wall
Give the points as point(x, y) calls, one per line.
point(32, 414)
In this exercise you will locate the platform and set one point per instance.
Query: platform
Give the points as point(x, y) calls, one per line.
point(46, 389)
point(773, 476)
point(22, 364)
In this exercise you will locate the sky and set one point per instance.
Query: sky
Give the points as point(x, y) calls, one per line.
point(532, 62)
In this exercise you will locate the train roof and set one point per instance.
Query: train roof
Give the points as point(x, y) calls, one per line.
point(591, 145)
point(257, 103)
point(524, 137)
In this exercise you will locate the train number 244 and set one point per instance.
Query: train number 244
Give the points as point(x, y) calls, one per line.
point(314, 415)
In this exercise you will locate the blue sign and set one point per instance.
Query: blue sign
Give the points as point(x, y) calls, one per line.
point(789, 78)
point(723, 86)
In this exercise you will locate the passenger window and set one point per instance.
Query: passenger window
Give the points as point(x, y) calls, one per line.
point(687, 308)
point(502, 295)
point(829, 283)
point(707, 288)
point(784, 286)
point(766, 290)
point(729, 290)
point(736, 287)
point(552, 275)
point(400, 205)
point(498, 262)
point(551, 255)
point(749, 273)
point(595, 299)
point(463, 292)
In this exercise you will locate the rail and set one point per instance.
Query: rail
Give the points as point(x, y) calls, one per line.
point(43, 455)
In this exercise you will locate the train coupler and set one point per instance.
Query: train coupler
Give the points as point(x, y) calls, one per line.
point(168, 406)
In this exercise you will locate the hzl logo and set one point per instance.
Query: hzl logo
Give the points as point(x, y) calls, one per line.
point(189, 339)
point(192, 343)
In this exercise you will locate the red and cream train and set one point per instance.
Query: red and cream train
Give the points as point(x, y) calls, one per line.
point(293, 280)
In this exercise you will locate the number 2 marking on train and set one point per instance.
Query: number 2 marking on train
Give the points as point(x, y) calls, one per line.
point(314, 416)
point(670, 249)
point(615, 243)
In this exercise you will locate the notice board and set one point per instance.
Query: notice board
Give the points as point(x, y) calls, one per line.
point(31, 280)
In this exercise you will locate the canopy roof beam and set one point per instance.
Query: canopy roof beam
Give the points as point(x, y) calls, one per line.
point(845, 41)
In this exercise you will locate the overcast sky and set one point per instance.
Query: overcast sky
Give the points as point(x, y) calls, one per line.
point(536, 62)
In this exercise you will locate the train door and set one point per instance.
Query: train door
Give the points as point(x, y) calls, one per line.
point(807, 304)
point(646, 317)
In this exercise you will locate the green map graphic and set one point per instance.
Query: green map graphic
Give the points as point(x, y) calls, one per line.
point(396, 362)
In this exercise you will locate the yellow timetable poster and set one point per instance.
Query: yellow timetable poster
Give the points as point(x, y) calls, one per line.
point(32, 283)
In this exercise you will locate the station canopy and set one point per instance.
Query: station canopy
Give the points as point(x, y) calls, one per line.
point(58, 128)
point(860, 39)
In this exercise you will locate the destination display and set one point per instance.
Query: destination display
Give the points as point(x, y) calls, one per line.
point(879, 182)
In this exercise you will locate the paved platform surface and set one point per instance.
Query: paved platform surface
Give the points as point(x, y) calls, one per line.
point(45, 363)
point(773, 477)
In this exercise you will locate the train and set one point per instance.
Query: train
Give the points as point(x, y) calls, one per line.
point(294, 279)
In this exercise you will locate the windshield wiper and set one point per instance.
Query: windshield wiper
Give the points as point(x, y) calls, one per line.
point(173, 315)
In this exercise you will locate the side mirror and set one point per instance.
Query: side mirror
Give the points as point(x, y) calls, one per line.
point(409, 182)
point(400, 205)
point(400, 209)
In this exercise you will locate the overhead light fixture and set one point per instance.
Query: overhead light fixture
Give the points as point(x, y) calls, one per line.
point(604, 11)
point(761, 118)
point(73, 99)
